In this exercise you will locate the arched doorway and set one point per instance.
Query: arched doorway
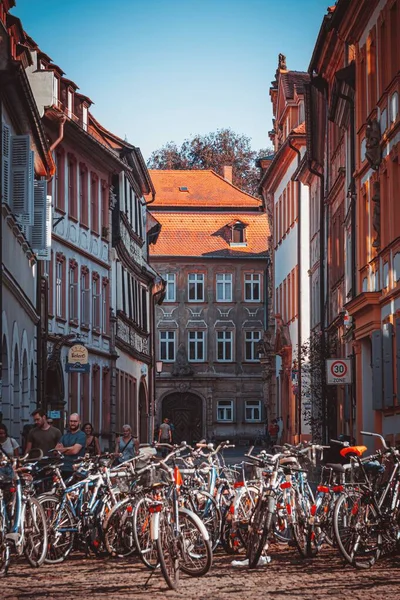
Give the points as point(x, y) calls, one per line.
point(5, 382)
point(16, 417)
point(143, 415)
point(185, 411)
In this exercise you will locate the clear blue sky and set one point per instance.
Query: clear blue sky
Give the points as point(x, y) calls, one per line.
point(162, 70)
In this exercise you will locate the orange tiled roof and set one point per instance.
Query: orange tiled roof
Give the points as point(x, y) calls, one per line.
point(294, 79)
point(207, 234)
point(300, 128)
point(205, 188)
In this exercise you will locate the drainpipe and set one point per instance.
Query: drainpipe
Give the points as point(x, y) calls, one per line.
point(1, 254)
point(63, 118)
point(350, 100)
point(299, 317)
point(322, 294)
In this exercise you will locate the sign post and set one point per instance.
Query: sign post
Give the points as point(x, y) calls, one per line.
point(338, 371)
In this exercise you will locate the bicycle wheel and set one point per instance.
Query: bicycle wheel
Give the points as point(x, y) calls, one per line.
point(35, 533)
point(60, 529)
point(300, 515)
point(206, 507)
point(356, 525)
point(146, 547)
point(259, 528)
point(196, 552)
point(167, 550)
point(281, 526)
point(4, 547)
point(118, 530)
point(245, 505)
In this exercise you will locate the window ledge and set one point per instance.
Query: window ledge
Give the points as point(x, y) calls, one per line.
point(85, 327)
point(61, 319)
point(74, 322)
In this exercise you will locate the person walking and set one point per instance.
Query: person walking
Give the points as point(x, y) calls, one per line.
point(43, 436)
point(72, 445)
point(92, 446)
point(127, 445)
point(8, 444)
point(273, 432)
point(164, 436)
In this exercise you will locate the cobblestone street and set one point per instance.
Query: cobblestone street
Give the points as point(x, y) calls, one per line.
point(287, 576)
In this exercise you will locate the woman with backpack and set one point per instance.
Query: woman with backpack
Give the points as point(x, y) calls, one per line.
point(126, 444)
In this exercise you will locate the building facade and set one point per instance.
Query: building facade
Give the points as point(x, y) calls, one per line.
point(26, 164)
point(352, 114)
point(287, 200)
point(211, 253)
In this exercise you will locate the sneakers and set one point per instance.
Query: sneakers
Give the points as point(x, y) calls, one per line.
point(262, 561)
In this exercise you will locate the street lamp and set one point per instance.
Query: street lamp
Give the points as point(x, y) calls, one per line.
point(159, 367)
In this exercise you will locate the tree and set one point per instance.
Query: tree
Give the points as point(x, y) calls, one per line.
point(213, 151)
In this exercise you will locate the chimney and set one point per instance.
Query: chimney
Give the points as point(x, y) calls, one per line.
point(228, 173)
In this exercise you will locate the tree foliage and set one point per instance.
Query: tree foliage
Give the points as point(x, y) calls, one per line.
point(213, 151)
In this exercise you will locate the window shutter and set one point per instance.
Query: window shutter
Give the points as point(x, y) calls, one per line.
point(87, 307)
point(377, 375)
point(22, 176)
point(398, 358)
point(5, 149)
point(388, 364)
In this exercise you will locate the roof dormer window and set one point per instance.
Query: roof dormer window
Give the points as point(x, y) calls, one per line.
point(70, 102)
point(183, 188)
point(56, 83)
point(238, 234)
point(85, 117)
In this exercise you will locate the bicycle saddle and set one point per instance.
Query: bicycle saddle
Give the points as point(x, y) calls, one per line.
point(356, 450)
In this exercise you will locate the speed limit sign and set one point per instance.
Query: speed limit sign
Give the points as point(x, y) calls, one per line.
point(338, 371)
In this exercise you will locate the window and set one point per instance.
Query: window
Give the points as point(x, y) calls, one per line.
point(105, 310)
point(167, 346)
point(59, 181)
point(70, 98)
point(83, 195)
point(225, 410)
point(252, 287)
point(224, 287)
point(73, 290)
point(59, 288)
point(85, 297)
point(84, 117)
point(224, 346)
point(73, 209)
point(94, 202)
point(55, 90)
point(251, 340)
point(105, 221)
point(238, 233)
point(96, 301)
point(170, 292)
point(196, 346)
point(196, 287)
point(253, 410)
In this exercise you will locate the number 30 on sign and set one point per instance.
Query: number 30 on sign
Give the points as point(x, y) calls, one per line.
point(338, 371)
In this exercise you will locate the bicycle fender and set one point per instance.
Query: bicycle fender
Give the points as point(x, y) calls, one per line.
point(198, 522)
point(155, 526)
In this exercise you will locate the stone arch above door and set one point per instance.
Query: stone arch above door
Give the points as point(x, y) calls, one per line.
point(185, 412)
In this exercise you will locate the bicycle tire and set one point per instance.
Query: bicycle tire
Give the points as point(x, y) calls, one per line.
point(196, 553)
point(358, 538)
point(60, 542)
point(4, 546)
point(167, 550)
point(35, 533)
point(259, 529)
point(209, 513)
point(299, 525)
point(146, 547)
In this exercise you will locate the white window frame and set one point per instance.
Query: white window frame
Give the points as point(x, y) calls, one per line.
point(73, 296)
point(224, 284)
point(170, 288)
point(251, 408)
point(196, 279)
point(96, 304)
point(225, 338)
point(56, 83)
point(69, 102)
point(250, 280)
point(196, 346)
point(59, 276)
point(167, 342)
point(251, 340)
point(225, 411)
point(85, 304)
point(85, 117)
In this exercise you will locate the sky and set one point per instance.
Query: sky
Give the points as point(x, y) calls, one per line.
point(160, 71)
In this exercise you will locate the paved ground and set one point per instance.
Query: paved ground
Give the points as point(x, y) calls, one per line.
point(287, 576)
